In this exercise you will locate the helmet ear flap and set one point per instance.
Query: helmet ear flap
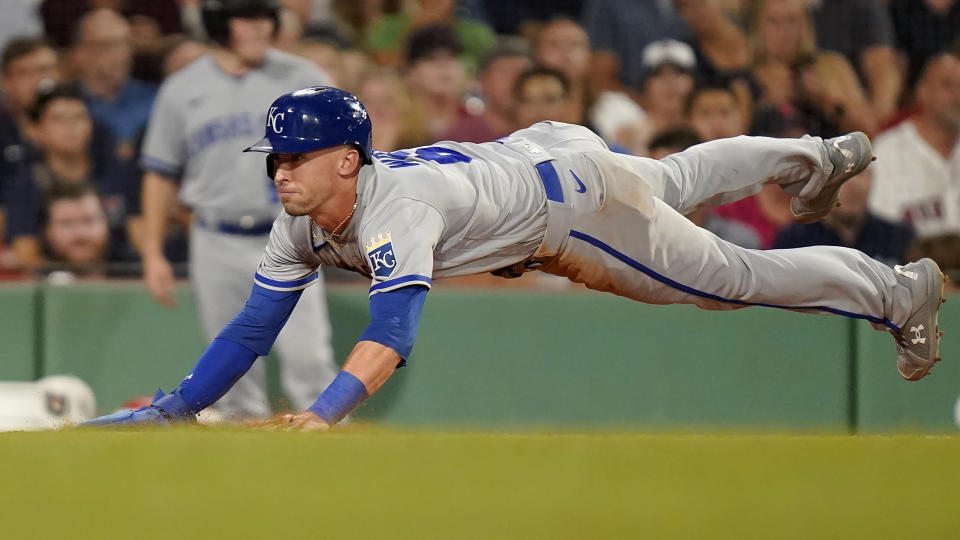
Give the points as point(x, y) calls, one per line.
point(271, 166)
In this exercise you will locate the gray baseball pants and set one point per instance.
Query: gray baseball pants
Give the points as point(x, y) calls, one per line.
point(625, 232)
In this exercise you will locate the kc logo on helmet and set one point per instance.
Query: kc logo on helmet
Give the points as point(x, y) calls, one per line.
point(380, 253)
point(272, 120)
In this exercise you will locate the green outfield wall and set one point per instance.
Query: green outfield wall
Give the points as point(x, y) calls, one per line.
point(518, 358)
point(19, 336)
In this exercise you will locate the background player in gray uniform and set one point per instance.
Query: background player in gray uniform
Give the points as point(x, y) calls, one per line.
point(552, 197)
point(203, 115)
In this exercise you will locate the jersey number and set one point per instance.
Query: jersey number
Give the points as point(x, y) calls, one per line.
point(436, 154)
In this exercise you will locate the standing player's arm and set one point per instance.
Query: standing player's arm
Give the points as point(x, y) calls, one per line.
point(159, 196)
point(381, 349)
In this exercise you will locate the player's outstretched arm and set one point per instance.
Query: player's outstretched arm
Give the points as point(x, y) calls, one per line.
point(383, 347)
point(249, 335)
point(369, 365)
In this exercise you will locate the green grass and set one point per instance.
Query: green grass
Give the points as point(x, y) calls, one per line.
point(362, 483)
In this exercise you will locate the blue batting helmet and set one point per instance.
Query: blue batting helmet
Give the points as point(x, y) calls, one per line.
point(314, 118)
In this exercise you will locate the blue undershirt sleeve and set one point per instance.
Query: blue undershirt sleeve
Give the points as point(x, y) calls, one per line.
point(394, 316)
point(250, 334)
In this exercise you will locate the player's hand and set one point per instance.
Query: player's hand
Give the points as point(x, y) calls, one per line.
point(305, 421)
point(158, 276)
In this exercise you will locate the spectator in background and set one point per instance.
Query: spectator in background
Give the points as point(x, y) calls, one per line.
point(400, 123)
point(327, 55)
point(945, 250)
point(62, 128)
point(765, 213)
point(386, 35)
point(563, 44)
point(523, 17)
point(27, 62)
point(75, 233)
point(180, 51)
point(436, 77)
point(60, 16)
point(289, 31)
point(618, 30)
point(353, 17)
point(795, 75)
point(713, 113)
point(924, 28)
point(347, 66)
point(497, 77)
point(678, 140)
point(851, 225)
point(917, 178)
point(861, 30)
point(667, 83)
point(722, 51)
point(542, 94)
point(149, 20)
point(103, 55)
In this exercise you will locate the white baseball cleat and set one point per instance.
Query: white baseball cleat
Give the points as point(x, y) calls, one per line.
point(918, 343)
point(850, 155)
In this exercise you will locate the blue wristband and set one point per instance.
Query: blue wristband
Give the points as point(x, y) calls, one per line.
point(342, 396)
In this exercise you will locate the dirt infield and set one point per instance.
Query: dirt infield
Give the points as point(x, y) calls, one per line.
point(363, 483)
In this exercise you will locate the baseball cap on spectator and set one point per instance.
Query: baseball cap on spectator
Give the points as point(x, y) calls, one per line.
point(668, 52)
point(430, 40)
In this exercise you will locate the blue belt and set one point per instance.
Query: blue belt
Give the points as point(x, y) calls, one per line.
point(255, 229)
point(549, 177)
point(551, 181)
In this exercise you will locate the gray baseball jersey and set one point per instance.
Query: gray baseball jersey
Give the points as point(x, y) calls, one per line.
point(195, 135)
point(554, 194)
point(444, 210)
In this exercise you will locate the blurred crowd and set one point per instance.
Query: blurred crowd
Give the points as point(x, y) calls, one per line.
point(652, 77)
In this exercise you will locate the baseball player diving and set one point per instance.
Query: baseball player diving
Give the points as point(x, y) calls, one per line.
point(552, 198)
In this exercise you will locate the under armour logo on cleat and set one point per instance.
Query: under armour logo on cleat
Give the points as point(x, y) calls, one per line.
point(848, 168)
point(906, 273)
point(916, 330)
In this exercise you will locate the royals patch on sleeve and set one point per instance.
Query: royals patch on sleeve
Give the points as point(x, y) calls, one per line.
point(380, 253)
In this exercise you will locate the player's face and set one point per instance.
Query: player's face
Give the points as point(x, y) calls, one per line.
point(307, 181)
point(251, 38)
